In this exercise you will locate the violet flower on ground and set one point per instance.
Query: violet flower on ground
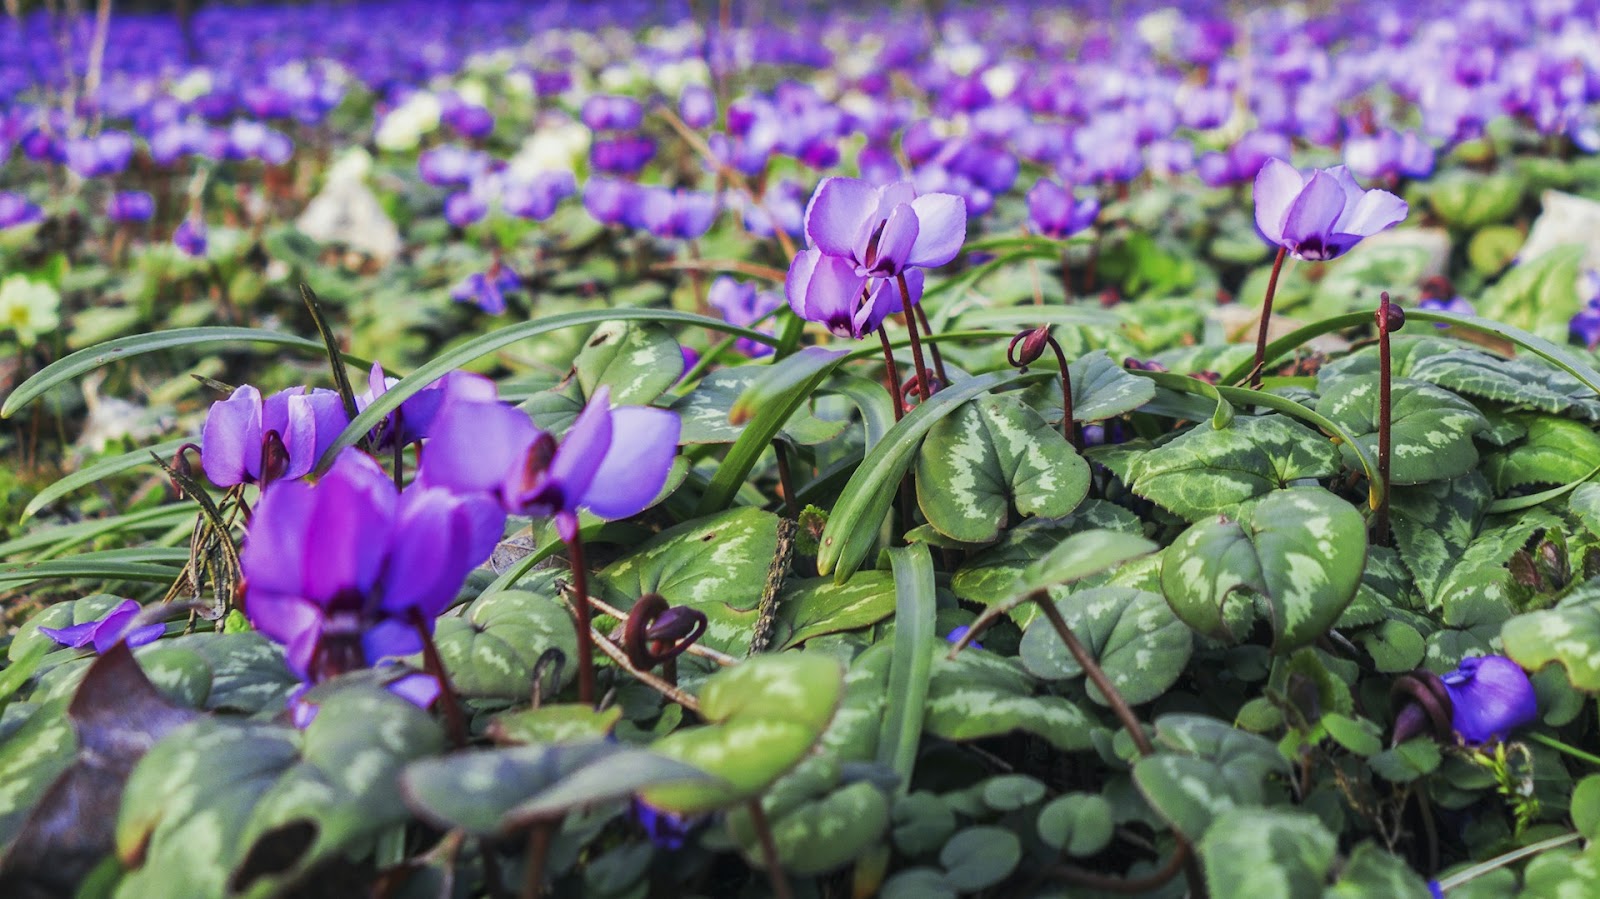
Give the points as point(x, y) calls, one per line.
point(190, 236)
point(487, 290)
point(372, 562)
point(743, 305)
point(104, 633)
point(1490, 697)
point(16, 210)
point(417, 412)
point(612, 462)
point(1322, 215)
point(251, 440)
point(130, 206)
point(1055, 213)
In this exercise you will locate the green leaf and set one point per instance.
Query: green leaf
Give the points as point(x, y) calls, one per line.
point(911, 667)
point(1469, 200)
point(1079, 824)
point(30, 761)
point(821, 835)
point(1586, 806)
point(73, 366)
point(994, 454)
point(1138, 642)
point(853, 525)
point(1358, 735)
point(1539, 294)
point(1210, 769)
point(922, 822)
point(490, 649)
point(980, 857)
point(499, 791)
point(637, 360)
point(1370, 871)
point(767, 405)
point(817, 606)
point(1009, 792)
point(1556, 451)
point(1300, 552)
point(1434, 523)
point(1205, 471)
point(718, 565)
point(978, 694)
point(1567, 634)
point(1079, 556)
point(1406, 762)
point(1102, 388)
point(98, 473)
point(235, 789)
point(1267, 854)
point(1431, 429)
point(564, 723)
point(704, 412)
point(764, 716)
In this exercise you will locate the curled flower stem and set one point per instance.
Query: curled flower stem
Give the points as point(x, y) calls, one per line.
point(615, 653)
point(695, 649)
point(580, 609)
point(1266, 317)
point(923, 387)
point(769, 851)
point(1380, 518)
point(454, 720)
point(1069, 427)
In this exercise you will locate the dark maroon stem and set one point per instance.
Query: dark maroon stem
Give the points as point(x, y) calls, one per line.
point(1069, 427)
point(454, 720)
point(894, 376)
point(1380, 518)
point(1266, 317)
point(916, 342)
point(769, 851)
point(580, 610)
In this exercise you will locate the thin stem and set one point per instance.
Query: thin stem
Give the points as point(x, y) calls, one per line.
point(1266, 316)
point(784, 483)
point(1380, 518)
point(1559, 746)
point(1126, 886)
point(769, 851)
point(617, 655)
point(1119, 706)
point(580, 609)
point(455, 722)
point(1069, 427)
point(933, 346)
point(538, 851)
point(695, 649)
point(894, 376)
point(916, 342)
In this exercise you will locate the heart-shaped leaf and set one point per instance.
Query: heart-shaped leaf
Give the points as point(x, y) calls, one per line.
point(991, 455)
point(1555, 451)
point(491, 649)
point(1206, 471)
point(1300, 552)
point(564, 723)
point(704, 412)
point(637, 360)
point(1139, 643)
point(1267, 853)
point(1431, 429)
point(1079, 824)
point(979, 694)
point(817, 606)
point(1211, 768)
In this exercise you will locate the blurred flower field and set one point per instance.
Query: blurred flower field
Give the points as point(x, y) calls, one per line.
point(492, 448)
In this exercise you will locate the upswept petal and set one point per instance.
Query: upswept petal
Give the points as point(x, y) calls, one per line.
point(798, 280)
point(350, 528)
point(1347, 183)
point(1312, 214)
point(279, 534)
point(942, 229)
point(895, 243)
point(477, 447)
point(635, 469)
point(230, 444)
point(1277, 185)
point(1375, 211)
point(427, 561)
point(74, 636)
point(832, 294)
point(327, 408)
point(837, 212)
point(299, 435)
point(583, 448)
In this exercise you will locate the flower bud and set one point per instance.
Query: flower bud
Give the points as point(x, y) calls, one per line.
point(1396, 317)
point(1032, 346)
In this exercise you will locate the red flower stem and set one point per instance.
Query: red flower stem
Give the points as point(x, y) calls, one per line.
point(769, 851)
point(1069, 427)
point(916, 342)
point(894, 376)
point(1266, 316)
point(1380, 518)
point(581, 611)
point(455, 722)
point(538, 850)
point(938, 357)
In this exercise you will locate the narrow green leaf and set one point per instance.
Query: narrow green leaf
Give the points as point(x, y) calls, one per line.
point(99, 471)
point(912, 665)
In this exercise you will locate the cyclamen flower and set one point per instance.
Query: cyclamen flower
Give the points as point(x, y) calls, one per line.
point(676, 214)
point(190, 237)
point(862, 237)
point(450, 165)
point(95, 157)
point(130, 206)
point(612, 462)
point(538, 197)
point(1321, 216)
point(416, 413)
point(469, 120)
point(1584, 327)
point(110, 628)
point(487, 290)
point(16, 210)
point(342, 572)
point(250, 440)
point(697, 106)
point(604, 112)
point(1055, 213)
point(1491, 696)
point(741, 304)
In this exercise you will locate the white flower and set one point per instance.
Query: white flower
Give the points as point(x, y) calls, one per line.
point(28, 307)
point(403, 128)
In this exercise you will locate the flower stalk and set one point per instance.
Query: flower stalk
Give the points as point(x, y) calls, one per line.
point(583, 616)
point(1390, 318)
point(1266, 317)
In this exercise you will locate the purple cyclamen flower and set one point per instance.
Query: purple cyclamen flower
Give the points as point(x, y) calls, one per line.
point(609, 200)
point(190, 236)
point(469, 120)
point(105, 154)
point(1055, 213)
point(604, 112)
point(697, 106)
point(449, 165)
point(676, 214)
point(130, 206)
point(958, 633)
point(465, 207)
point(16, 210)
point(253, 140)
point(623, 155)
point(537, 198)
point(1584, 327)
point(104, 633)
point(741, 304)
point(417, 412)
point(250, 440)
point(612, 462)
point(1321, 216)
point(863, 237)
point(487, 290)
point(1490, 696)
point(1456, 305)
point(666, 830)
point(343, 571)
